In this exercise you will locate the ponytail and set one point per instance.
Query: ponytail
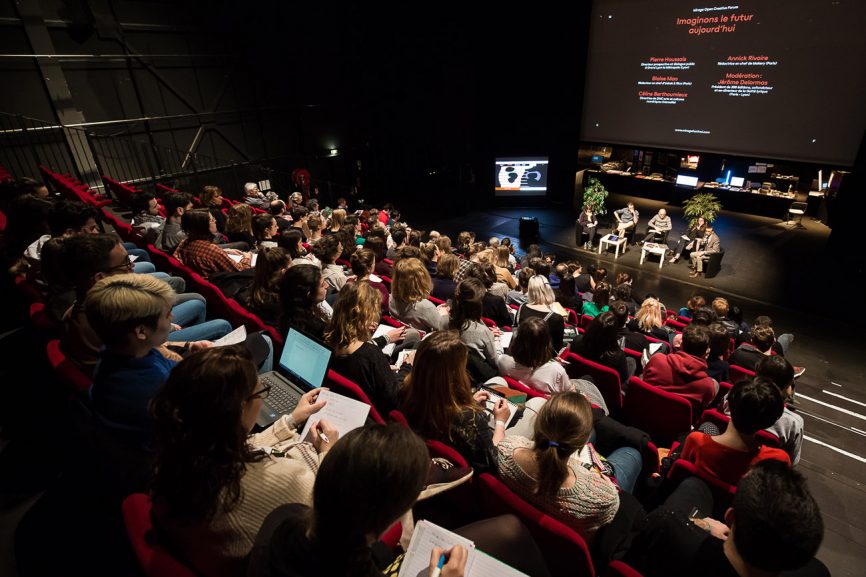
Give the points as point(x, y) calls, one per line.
point(562, 427)
point(552, 466)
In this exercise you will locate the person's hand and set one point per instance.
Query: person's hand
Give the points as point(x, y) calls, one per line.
point(308, 404)
point(501, 412)
point(323, 435)
point(233, 251)
point(444, 309)
point(409, 358)
point(497, 332)
point(481, 396)
point(200, 345)
point(175, 327)
point(455, 565)
point(716, 528)
point(396, 335)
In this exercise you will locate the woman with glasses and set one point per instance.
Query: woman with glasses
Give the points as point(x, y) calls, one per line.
point(214, 483)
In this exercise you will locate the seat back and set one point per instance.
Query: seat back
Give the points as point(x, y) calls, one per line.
point(664, 415)
point(530, 392)
point(620, 569)
point(344, 386)
point(723, 493)
point(737, 373)
point(714, 264)
point(585, 321)
point(122, 192)
point(564, 550)
point(155, 560)
point(606, 379)
point(66, 369)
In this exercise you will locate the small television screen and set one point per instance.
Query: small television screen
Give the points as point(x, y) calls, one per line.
point(686, 180)
point(521, 176)
point(597, 159)
point(737, 181)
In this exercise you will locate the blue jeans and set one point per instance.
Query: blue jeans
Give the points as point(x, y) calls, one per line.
point(143, 267)
point(785, 341)
point(189, 312)
point(206, 331)
point(132, 249)
point(267, 364)
point(175, 282)
point(627, 465)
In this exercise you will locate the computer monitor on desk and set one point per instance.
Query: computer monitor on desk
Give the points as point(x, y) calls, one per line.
point(737, 181)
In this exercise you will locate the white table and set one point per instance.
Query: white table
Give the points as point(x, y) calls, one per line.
point(608, 241)
point(654, 248)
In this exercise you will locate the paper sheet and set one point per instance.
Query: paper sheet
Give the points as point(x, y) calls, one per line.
point(505, 339)
point(380, 331)
point(343, 413)
point(235, 257)
point(238, 335)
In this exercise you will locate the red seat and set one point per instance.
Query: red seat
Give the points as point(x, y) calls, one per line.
point(684, 320)
point(386, 280)
point(723, 493)
point(564, 550)
point(154, 559)
point(66, 369)
point(160, 188)
point(620, 569)
point(530, 392)
point(40, 319)
point(28, 289)
point(737, 374)
point(388, 320)
point(605, 378)
point(434, 300)
point(344, 386)
point(585, 321)
point(675, 324)
point(122, 192)
point(572, 316)
point(238, 316)
point(664, 415)
point(721, 420)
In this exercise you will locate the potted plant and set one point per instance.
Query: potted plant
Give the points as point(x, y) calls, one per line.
point(594, 196)
point(703, 204)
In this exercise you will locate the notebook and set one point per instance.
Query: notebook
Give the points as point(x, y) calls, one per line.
point(301, 368)
point(493, 398)
point(416, 562)
point(343, 413)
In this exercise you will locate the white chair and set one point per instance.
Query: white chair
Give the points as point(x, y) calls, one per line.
point(798, 209)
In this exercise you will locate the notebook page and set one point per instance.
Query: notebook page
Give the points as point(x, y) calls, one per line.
point(342, 412)
point(486, 566)
point(491, 402)
point(416, 562)
point(238, 335)
point(505, 339)
point(380, 331)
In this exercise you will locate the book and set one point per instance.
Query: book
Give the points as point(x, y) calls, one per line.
point(343, 413)
point(491, 401)
point(427, 535)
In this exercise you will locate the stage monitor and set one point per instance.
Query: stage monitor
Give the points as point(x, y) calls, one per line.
point(737, 181)
point(597, 159)
point(686, 180)
point(757, 78)
point(521, 176)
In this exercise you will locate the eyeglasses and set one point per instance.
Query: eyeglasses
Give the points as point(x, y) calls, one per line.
point(261, 393)
point(127, 264)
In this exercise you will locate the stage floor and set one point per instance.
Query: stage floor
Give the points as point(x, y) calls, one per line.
point(769, 268)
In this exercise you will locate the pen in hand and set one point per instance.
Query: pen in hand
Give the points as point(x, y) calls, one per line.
point(439, 565)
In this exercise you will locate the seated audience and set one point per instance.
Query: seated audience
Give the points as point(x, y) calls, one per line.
point(145, 215)
point(328, 250)
point(239, 225)
point(254, 197)
point(754, 404)
point(363, 263)
point(694, 303)
point(519, 295)
point(559, 471)
point(600, 344)
point(566, 294)
point(176, 203)
point(773, 528)
point(316, 224)
point(443, 280)
point(302, 295)
point(438, 402)
point(494, 306)
point(721, 309)
point(748, 354)
point(197, 250)
point(338, 219)
point(466, 312)
point(262, 297)
point(265, 231)
point(356, 357)
point(208, 504)
point(539, 304)
point(410, 288)
point(211, 199)
point(685, 371)
point(600, 300)
point(718, 368)
point(649, 320)
point(630, 339)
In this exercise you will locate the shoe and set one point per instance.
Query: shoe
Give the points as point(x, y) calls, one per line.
point(672, 259)
point(443, 475)
point(798, 371)
point(694, 274)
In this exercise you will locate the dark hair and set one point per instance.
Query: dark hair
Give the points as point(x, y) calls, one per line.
point(736, 314)
point(622, 292)
point(763, 337)
point(601, 294)
point(298, 291)
point(599, 274)
point(346, 235)
point(365, 482)
point(141, 202)
point(703, 316)
point(539, 266)
point(483, 272)
point(562, 427)
point(291, 241)
point(376, 244)
point(362, 262)
point(696, 340)
point(532, 345)
point(298, 212)
point(261, 224)
point(601, 336)
point(276, 207)
point(719, 340)
point(196, 223)
point(777, 523)
point(26, 221)
point(695, 302)
point(326, 249)
point(764, 320)
point(755, 403)
point(69, 214)
point(270, 267)
point(398, 235)
point(201, 441)
point(623, 277)
point(174, 200)
point(85, 255)
point(466, 306)
point(620, 312)
point(776, 368)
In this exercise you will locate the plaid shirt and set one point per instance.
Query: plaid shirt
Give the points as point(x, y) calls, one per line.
point(204, 257)
point(462, 267)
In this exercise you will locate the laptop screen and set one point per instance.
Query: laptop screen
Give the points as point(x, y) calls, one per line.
point(304, 359)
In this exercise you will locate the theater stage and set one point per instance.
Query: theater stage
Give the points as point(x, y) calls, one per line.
point(769, 268)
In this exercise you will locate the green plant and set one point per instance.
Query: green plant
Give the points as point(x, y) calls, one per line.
point(703, 204)
point(594, 196)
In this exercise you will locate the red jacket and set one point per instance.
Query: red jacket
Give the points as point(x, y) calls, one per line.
point(683, 374)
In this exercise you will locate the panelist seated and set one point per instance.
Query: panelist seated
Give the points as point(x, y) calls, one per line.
point(658, 228)
point(690, 240)
point(626, 219)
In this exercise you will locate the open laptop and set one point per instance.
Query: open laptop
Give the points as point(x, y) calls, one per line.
point(302, 367)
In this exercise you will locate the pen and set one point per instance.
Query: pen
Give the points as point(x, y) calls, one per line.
point(438, 569)
point(324, 437)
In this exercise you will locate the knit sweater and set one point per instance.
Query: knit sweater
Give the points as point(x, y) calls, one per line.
point(586, 506)
point(219, 548)
point(478, 337)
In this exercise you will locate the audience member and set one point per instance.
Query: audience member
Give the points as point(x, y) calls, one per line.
point(302, 296)
point(410, 288)
point(262, 298)
point(197, 250)
point(539, 300)
point(176, 204)
point(748, 354)
point(239, 225)
point(600, 344)
point(466, 312)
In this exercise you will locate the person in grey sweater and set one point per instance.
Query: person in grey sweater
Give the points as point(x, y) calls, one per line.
point(466, 310)
point(658, 226)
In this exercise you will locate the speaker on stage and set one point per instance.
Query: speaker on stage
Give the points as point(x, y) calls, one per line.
point(528, 230)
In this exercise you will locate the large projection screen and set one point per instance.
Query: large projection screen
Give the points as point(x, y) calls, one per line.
point(779, 79)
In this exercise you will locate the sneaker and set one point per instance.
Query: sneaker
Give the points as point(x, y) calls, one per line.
point(443, 475)
point(798, 371)
point(672, 259)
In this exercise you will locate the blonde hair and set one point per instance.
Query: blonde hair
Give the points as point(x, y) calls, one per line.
point(411, 282)
point(649, 316)
point(447, 266)
point(117, 304)
point(357, 307)
point(502, 254)
point(539, 292)
point(209, 193)
point(338, 218)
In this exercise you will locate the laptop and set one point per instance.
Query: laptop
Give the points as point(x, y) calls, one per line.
point(302, 367)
